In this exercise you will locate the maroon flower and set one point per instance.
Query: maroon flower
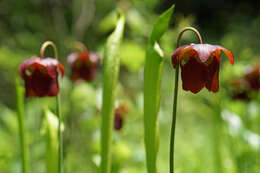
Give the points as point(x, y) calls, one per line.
point(199, 65)
point(240, 89)
point(83, 65)
point(120, 112)
point(253, 77)
point(41, 76)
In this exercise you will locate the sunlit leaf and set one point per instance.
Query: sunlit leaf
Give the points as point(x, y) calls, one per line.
point(52, 142)
point(152, 84)
point(110, 77)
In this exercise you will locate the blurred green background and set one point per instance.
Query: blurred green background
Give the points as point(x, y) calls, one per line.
point(214, 132)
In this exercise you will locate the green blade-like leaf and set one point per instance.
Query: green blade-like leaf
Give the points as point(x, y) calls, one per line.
point(52, 141)
point(111, 69)
point(161, 25)
point(152, 84)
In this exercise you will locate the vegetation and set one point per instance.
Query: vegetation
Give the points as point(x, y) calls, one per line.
point(128, 74)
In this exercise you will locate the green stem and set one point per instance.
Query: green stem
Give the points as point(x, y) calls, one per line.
point(175, 100)
point(20, 112)
point(174, 114)
point(58, 107)
point(59, 134)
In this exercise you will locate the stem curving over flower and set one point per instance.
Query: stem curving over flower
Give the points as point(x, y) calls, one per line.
point(45, 45)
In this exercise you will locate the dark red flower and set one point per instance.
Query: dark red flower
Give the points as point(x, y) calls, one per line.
point(83, 65)
point(253, 77)
point(199, 65)
point(240, 89)
point(41, 76)
point(120, 112)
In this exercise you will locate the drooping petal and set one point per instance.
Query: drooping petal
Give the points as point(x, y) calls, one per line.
point(83, 56)
point(213, 72)
point(194, 75)
point(228, 53)
point(87, 73)
point(94, 58)
point(54, 88)
point(53, 66)
point(25, 65)
point(175, 55)
point(38, 84)
point(72, 58)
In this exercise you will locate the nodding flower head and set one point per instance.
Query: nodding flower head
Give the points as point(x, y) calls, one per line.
point(41, 76)
point(240, 89)
point(83, 65)
point(120, 112)
point(252, 76)
point(200, 65)
point(245, 86)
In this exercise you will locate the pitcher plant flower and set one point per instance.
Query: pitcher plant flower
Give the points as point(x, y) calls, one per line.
point(200, 65)
point(252, 76)
point(41, 76)
point(240, 89)
point(83, 64)
point(244, 87)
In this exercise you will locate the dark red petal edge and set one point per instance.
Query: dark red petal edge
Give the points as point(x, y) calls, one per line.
point(176, 54)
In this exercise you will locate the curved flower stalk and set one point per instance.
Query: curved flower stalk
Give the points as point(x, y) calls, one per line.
point(200, 65)
point(41, 76)
point(152, 83)
point(110, 77)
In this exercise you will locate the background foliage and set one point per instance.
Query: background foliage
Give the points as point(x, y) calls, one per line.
point(210, 127)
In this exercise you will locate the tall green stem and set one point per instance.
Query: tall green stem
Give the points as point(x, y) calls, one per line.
point(58, 112)
point(174, 114)
point(175, 99)
point(58, 107)
point(20, 113)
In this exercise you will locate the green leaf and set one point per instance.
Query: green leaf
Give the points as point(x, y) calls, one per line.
point(52, 141)
point(111, 69)
point(108, 23)
point(161, 25)
point(152, 84)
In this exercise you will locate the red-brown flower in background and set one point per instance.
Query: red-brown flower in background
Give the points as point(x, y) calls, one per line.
point(240, 89)
point(83, 65)
point(200, 65)
point(41, 76)
point(252, 76)
point(120, 112)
